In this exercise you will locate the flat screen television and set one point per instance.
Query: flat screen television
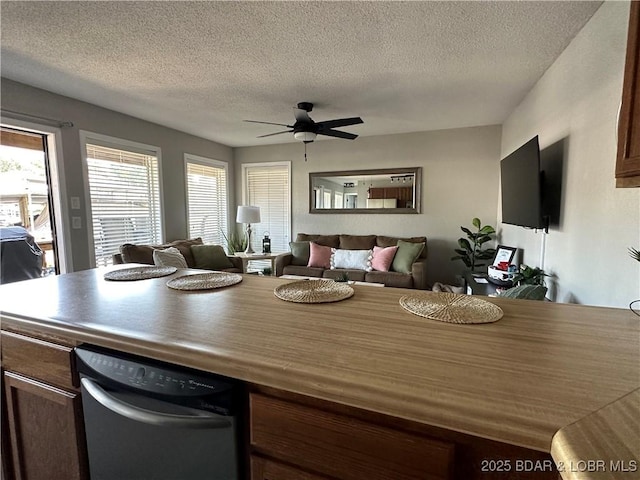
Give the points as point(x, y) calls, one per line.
point(520, 179)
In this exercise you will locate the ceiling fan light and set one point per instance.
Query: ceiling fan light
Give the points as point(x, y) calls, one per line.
point(305, 136)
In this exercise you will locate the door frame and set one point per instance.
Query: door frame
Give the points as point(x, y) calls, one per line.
point(53, 136)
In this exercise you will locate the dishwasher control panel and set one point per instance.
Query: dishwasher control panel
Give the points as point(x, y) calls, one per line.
point(148, 375)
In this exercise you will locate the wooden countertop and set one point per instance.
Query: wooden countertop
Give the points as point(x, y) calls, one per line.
point(541, 367)
point(603, 445)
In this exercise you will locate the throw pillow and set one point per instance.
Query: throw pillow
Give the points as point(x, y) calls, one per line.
point(210, 257)
point(527, 292)
point(169, 257)
point(300, 252)
point(408, 252)
point(351, 259)
point(383, 257)
point(319, 256)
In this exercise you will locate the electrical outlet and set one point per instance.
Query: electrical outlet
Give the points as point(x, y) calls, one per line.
point(76, 223)
point(75, 203)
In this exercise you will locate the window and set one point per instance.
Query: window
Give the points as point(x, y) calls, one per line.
point(268, 186)
point(124, 193)
point(339, 200)
point(327, 199)
point(207, 205)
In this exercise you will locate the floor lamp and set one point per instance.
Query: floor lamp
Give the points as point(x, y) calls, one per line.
point(248, 214)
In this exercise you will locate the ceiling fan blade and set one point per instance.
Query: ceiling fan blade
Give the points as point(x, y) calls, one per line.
point(302, 115)
point(277, 133)
point(337, 133)
point(269, 123)
point(340, 122)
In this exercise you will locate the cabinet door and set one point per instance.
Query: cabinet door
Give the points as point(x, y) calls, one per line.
point(45, 430)
point(628, 161)
point(264, 469)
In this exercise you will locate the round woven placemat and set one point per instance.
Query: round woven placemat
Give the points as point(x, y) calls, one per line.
point(313, 291)
point(451, 307)
point(204, 281)
point(139, 273)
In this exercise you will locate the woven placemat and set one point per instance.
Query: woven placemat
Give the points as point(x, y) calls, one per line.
point(204, 281)
point(451, 307)
point(139, 273)
point(309, 291)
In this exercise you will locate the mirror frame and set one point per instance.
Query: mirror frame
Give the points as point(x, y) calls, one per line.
point(416, 171)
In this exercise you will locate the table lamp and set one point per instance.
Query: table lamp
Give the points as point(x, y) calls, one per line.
point(248, 214)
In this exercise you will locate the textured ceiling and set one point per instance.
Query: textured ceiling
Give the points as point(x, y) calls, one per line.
point(203, 67)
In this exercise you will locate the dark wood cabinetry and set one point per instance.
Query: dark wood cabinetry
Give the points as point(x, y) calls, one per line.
point(628, 160)
point(43, 409)
point(403, 195)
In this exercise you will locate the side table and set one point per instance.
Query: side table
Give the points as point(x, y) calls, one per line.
point(246, 258)
point(475, 284)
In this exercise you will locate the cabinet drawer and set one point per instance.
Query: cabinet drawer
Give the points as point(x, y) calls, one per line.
point(264, 469)
point(38, 359)
point(344, 447)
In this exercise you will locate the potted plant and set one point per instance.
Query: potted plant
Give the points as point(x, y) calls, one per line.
point(235, 242)
point(471, 250)
point(635, 254)
point(529, 276)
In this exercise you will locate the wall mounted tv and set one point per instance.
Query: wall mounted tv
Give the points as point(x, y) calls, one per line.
point(521, 182)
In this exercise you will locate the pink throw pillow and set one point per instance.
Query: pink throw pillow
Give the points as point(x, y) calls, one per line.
point(319, 256)
point(383, 257)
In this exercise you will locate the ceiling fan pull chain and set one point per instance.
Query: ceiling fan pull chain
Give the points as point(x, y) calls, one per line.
point(305, 151)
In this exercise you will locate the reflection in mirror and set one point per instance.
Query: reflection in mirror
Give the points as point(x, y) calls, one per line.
point(394, 190)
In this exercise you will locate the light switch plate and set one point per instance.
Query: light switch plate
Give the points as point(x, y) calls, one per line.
point(75, 203)
point(76, 222)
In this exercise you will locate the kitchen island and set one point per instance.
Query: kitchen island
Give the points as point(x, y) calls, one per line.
point(515, 382)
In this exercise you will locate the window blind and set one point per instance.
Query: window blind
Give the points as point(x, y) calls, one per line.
point(207, 201)
point(125, 199)
point(267, 186)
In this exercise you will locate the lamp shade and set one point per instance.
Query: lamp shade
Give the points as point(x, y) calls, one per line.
point(248, 214)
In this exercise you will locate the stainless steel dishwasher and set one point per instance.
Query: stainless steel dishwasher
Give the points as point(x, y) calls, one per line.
point(149, 420)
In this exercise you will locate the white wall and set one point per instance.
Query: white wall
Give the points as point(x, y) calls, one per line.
point(26, 99)
point(577, 101)
point(460, 181)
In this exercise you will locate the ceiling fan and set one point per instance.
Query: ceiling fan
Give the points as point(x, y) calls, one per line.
point(306, 130)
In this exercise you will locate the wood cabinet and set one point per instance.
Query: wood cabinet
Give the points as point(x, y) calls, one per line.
point(628, 160)
point(44, 426)
point(402, 195)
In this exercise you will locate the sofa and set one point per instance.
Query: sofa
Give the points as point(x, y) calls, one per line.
point(131, 253)
point(412, 275)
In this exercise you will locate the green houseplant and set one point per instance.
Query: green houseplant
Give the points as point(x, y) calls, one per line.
point(235, 242)
point(529, 276)
point(471, 250)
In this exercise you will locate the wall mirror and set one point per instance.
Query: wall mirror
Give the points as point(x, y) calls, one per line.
point(389, 190)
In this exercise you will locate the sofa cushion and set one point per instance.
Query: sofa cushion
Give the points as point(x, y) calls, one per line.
point(355, 275)
point(383, 257)
point(144, 253)
point(408, 252)
point(300, 253)
point(383, 241)
point(390, 279)
point(319, 256)
point(357, 242)
point(210, 257)
point(351, 259)
point(169, 257)
point(332, 241)
point(302, 271)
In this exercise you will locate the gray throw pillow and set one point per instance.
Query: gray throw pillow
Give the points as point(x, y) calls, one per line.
point(210, 257)
point(300, 252)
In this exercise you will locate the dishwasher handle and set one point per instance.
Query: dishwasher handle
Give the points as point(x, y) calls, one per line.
point(150, 417)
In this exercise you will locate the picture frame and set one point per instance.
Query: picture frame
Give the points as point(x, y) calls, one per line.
point(504, 254)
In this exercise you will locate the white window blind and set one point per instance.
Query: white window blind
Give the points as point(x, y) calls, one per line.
point(125, 199)
point(207, 200)
point(267, 186)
